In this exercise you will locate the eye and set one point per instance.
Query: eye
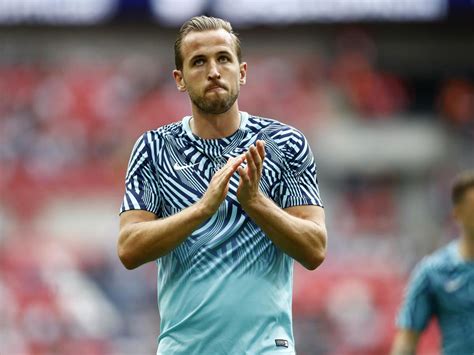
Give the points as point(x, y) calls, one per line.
point(223, 59)
point(198, 62)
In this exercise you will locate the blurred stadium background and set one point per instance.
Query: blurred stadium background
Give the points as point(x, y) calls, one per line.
point(383, 89)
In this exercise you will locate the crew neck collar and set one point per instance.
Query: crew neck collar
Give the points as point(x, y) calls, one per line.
point(187, 128)
point(456, 253)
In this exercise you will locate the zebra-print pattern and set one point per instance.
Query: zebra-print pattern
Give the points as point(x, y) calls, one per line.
point(229, 239)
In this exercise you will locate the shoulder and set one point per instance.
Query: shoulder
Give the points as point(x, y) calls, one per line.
point(150, 143)
point(439, 261)
point(160, 134)
point(167, 131)
point(282, 134)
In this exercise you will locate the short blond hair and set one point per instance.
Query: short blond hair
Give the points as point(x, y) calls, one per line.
point(201, 24)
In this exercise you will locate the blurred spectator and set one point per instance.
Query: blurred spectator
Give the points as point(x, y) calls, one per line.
point(66, 128)
point(456, 102)
point(372, 94)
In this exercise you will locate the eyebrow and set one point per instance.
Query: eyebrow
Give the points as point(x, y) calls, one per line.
point(199, 56)
point(224, 52)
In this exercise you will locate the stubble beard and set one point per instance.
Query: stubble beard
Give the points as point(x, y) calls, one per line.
point(216, 105)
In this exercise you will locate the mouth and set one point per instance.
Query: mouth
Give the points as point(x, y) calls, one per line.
point(214, 88)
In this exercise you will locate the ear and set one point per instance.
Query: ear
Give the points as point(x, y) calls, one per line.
point(179, 79)
point(243, 73)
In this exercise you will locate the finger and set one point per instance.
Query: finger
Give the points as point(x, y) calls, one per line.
point(223, 170)
point(257, 160)
point(240, 158)
point(230, 170)
point(231, 162)
point(243, 175)
point(261, 148)
point(228, 163)
point(251, 168)
point(224, 174)
point(238, 161)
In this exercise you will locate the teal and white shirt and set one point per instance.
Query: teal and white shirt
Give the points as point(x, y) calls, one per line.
point(442, 286)
point(227, 289)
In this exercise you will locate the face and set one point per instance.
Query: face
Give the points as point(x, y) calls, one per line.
point(464, 211)
point(211, 72)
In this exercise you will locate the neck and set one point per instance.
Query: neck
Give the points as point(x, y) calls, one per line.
point(466, 246)
point(212, 126)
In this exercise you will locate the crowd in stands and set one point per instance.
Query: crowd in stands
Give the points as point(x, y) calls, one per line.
point(69, 126)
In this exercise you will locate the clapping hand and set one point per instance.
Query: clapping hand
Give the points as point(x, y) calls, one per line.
point(248, 190)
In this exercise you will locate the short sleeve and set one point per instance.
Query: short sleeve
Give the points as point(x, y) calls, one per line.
point(417, 306)
point(299, 184)
point(141, 180)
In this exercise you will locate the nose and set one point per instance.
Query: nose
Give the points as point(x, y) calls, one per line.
point(213, 73)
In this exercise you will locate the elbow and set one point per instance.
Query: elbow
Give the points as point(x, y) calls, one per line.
point(318, 252)
point(317, 249)
point(126, 255)
point(127, 259)
point(316, 259)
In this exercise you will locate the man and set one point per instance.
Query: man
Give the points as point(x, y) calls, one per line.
point(223, 201)
point(442, 285)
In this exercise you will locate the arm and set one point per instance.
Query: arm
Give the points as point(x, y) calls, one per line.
point(405, 342)
point(143, 237)
point(299, 231)
point(415, 312)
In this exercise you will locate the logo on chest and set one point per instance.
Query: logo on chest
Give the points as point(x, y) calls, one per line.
point(454, 284)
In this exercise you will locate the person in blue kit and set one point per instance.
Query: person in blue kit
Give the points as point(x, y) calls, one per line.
point(442, 285)
point(224, 202)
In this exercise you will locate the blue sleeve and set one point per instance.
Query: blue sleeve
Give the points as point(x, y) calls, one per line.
point(417, 306)
point(141, 181)
point(299, 184)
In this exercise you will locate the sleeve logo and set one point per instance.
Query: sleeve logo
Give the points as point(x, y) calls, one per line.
point(281, 342)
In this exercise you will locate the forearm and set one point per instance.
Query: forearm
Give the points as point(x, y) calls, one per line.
point(405, 343)
point(303, 240)
point(142, 242)
point(144, 238)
